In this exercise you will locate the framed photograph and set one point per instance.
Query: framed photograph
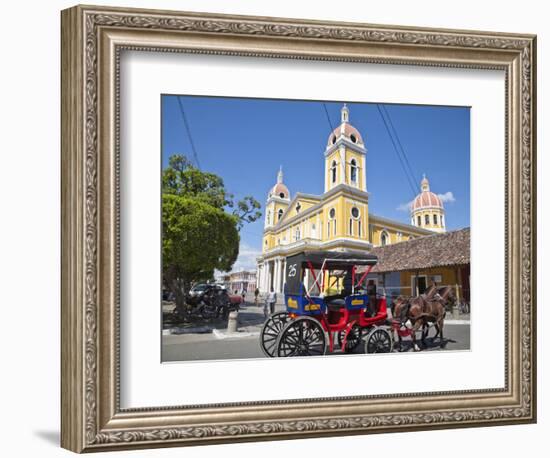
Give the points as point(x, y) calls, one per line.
point(278, 228)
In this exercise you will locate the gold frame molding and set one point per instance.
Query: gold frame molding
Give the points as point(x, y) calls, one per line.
point(92, 40)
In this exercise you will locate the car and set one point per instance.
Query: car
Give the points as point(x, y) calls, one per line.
point(199, 289)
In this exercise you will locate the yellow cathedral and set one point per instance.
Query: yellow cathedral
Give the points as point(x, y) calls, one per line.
point(338, 219)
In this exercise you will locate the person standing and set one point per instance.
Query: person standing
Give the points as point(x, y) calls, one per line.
point(256, 294)
point(270, 302)
point(243, 294)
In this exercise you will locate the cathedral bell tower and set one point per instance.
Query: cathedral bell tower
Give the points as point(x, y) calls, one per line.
point(278, 200)
point(345, 156)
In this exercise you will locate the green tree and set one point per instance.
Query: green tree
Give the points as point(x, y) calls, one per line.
point(197, 239)
point(183, 179)
point(200, 225)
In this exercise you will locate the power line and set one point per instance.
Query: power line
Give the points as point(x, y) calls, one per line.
point(413, 175)
point(328, 117)
point(189, 133)
point(413, 188)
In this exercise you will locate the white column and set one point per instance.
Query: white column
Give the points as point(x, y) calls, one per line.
point(266, 270)
point(342, 164)
point(277, 276)
point(364, 172)
point(262, 278)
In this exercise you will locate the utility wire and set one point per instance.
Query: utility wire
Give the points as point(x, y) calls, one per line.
point(328, 117)
point(413, 175)
point(189, 133)
point(411, 184)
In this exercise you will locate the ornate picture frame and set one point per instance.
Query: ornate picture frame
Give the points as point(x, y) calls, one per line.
point(93, 39)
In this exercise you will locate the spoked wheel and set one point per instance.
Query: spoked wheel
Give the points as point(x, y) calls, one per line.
point(270, 331)
point(303, 336)
point(379, 341)
point(353, 340)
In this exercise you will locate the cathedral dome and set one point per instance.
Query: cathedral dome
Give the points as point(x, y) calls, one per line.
point(346, 130)
point(426, 198)
point(279, 190)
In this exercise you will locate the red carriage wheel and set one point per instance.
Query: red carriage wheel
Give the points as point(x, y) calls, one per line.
point(378, 340)
point(353, 340)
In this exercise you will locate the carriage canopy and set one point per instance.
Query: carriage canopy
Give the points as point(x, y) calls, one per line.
point(328, 260)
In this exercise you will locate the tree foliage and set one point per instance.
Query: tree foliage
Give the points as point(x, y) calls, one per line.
point(200, 225)
point(197, 239)
point(183, 179)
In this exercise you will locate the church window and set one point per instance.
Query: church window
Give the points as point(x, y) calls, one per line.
point(333, 139)
point(355, 212)
point(334, 227)
point(359, 228)
point(332, 213)
point(350, 226)
point(419, 221)
point(427, 219)
point(435, 219)
point(333, 171)
point(280, 214)
point(328, 228)
point(282, 195)
point(353, 138)
point(384, 238)
point(297, 234)
point(353, 171)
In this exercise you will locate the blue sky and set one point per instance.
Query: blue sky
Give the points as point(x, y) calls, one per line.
point(246, 140)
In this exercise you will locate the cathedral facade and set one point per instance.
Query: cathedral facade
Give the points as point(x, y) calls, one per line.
point(339, 219)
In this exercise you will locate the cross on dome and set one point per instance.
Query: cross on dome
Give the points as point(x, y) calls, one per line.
point(424, 184)
point(344, 114)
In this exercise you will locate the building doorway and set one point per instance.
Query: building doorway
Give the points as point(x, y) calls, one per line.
point(419, 284)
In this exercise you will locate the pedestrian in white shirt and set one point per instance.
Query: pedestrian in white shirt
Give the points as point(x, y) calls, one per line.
point(270, 301)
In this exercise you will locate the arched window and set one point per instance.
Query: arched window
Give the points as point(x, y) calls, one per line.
point(384, 238)
point(427, 219)
point(435, 219)
point(333, 171)
point(353, 171)
point(279, 214)
point(419, 221)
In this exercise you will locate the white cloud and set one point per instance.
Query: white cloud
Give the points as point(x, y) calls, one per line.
point(405, 207)
point(447, 197)
point(247, 258)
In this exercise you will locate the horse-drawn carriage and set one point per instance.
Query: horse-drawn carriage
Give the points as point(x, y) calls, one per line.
point(326, 297)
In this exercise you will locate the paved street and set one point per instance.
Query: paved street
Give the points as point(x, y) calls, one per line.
point(208, 341)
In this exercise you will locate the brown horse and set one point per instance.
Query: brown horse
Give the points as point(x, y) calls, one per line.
point(422, 311)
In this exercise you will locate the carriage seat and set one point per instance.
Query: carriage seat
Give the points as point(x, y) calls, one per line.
point(336, 304)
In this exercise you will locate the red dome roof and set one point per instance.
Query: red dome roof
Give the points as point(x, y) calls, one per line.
point(426, 199)
point(349, 132)
point(279, 190)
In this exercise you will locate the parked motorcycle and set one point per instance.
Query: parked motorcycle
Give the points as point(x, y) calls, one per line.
point(210, 302)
